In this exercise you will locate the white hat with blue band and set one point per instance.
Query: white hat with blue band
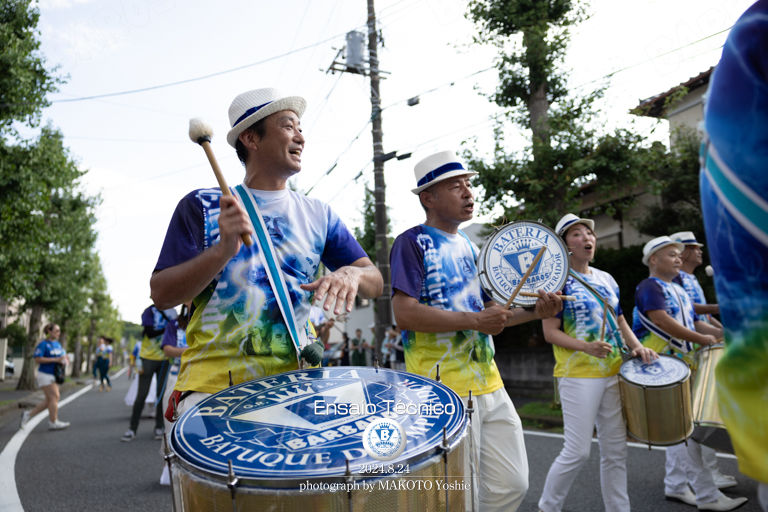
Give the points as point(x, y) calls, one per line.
point(686, 238)
point(569, 220)
point(436, 168)
point(253, 106)
point(656, 245)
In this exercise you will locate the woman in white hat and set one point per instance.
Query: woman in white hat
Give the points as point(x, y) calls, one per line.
point(587, 350)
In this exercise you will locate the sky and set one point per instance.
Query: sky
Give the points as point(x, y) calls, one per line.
point(136, 147)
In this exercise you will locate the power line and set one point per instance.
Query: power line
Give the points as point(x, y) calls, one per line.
point(196, 79)
point(656, 57)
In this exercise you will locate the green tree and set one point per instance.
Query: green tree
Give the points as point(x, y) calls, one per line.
point(566, 150)
point(46, 225)
point(675, 179)
point(24, 81)
point(367, 235)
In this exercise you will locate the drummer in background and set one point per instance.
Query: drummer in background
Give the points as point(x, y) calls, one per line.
point(664, 320)
point(238, 327)
point(448, 320)
point(174, 344)
point(586, 369)
point(692, 257)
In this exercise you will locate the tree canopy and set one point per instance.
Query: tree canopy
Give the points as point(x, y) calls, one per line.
point(567, 149)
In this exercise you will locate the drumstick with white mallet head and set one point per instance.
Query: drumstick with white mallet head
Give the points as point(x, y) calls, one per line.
point(201, 132)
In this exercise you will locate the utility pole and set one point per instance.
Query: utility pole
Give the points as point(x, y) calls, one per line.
point(383, 304)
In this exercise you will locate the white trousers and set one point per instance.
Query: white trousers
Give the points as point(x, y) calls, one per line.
point(685, 465)
point(499, 452)
point(588, 403)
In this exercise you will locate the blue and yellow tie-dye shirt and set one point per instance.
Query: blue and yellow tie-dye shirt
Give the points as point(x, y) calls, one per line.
point(152, 317)
point(734, 202)
point(654, 294)
point(237, 325)
point(439, 270)
point(583, 319)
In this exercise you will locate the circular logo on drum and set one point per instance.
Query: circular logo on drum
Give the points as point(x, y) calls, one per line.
point(384, 439)
point(511, 252)
point(663, 371)
point(311, 423)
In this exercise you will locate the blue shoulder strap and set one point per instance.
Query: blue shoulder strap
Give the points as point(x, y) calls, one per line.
point(272, 267)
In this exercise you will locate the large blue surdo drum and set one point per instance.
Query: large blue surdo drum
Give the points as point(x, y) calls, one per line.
point(294, 442)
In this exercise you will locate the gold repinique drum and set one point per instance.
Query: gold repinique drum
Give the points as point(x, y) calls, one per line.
point(294, 442)
point(709, 427)
point(656, 400)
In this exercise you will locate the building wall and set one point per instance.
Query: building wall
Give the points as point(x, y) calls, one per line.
point(689, 112)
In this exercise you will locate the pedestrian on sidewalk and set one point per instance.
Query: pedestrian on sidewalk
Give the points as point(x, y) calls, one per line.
point(104, 361)
point(47, 353)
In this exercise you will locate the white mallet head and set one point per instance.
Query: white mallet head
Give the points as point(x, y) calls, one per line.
point(709, 270)
point(199, 130)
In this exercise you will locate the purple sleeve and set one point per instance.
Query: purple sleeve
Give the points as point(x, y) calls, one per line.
point(407, 263)
point(649, 296)
point(185, 236)
point(147, 317)
point(169, 337)
point(341, 248)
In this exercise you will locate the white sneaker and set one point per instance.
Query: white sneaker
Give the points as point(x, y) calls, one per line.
point(158, 433)
point(57, 425)
point(687, 497)
point(723, 503)
point(24, 419)
point(723, 481)
point(129, 435)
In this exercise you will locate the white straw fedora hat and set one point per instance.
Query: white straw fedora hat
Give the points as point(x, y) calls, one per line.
point(570, 220)
point(252, 106)
point(686, 238)
point(657, 244)
point(436, 168)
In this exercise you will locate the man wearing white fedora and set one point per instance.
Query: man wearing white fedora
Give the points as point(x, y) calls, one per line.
point(447, 320)
point(240, 317)
point(691, 257)
point(665, 321)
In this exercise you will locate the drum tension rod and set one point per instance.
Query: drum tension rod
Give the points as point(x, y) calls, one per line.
point(230, 378)
point(232, 482)
point(175, 409)
point(470, 406)
point(376, 363)
point(168, 456)
point(437, 377)
point(446, 449)
point(348, 480)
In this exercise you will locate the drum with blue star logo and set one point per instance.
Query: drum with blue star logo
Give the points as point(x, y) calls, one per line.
point(509, 252)
point(294, 441)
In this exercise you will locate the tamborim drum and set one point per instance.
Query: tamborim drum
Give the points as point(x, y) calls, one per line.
point(656, 400)
point(508, 253)
point(710, 429)
point(295, 442)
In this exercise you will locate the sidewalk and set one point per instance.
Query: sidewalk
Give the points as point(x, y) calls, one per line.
point(12, 400)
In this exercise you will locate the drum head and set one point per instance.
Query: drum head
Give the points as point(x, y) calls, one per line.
point(509, 252)
point(664, 371)
point(304, 424)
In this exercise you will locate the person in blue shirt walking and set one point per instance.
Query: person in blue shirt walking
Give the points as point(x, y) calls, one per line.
point(47, 353)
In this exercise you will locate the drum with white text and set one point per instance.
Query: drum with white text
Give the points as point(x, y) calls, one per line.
point(347, 438)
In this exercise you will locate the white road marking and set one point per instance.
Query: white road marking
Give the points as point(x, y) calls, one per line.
point(9, 495)
point(633, 445)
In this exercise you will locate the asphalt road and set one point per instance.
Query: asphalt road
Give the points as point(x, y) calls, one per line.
point(87, 468)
